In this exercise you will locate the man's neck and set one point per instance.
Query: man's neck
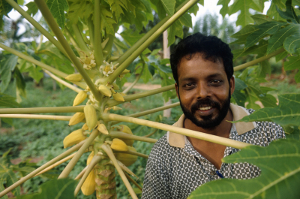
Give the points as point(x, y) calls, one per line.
point(211, 151)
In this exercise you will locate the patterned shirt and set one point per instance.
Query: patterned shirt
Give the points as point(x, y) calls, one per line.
point(175, 169)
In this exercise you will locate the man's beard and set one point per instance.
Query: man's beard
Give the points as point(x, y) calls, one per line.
point(207, 122)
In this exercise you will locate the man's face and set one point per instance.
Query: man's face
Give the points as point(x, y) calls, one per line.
point(203, 91)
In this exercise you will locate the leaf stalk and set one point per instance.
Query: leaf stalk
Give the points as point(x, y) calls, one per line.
point(75, 159)
point(62, 109)
point(182, 131)
point(33, 173)
point(70, 86)
point(127, 98)
point(97, 34)
point(89, 169)
point(111, 155)
point(256, 61)
point(32, 116)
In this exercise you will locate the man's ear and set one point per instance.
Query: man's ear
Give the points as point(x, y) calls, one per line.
point(176, 88)
point(232, 84)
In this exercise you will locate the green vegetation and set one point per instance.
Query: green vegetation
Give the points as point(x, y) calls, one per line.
point(83, 39)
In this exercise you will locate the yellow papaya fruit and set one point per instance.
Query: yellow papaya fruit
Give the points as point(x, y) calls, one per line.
point(105, 90)
point(89, 159)
point(74, 77)
point(126, 129)
point(85, 127)
point(76, 118)
point(119, 145)
point(118, 97)
point(127, 159)
point(74, 138)
point(89, 185)
point(102, 128)
point(80, 97)
point(90, 116)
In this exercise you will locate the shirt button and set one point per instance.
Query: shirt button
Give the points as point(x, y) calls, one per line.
point(212, 173)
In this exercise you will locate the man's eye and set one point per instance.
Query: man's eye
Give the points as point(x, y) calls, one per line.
point(216, 81)
point(189, 85)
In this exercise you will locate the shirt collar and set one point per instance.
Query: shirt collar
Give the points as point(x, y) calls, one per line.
point(238, 113)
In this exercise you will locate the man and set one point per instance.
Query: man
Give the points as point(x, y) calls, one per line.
point(203, 70)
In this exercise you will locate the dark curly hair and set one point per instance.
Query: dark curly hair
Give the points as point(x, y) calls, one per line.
point(211, 47)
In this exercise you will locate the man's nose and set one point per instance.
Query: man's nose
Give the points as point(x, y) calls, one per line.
point(203, 91)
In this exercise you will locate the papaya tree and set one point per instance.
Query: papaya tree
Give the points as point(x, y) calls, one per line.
point(83, 53)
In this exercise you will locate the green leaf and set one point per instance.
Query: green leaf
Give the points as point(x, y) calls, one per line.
point(20, 82)
point(262, 31)
point(2, 189)
point(260, 18)
point(186, 20)
point(107, 21)
point(54, 189)
point(5, 7)
point(159, 8)
point(32, 8)
point(173, 31)
point(239, 84)
point(169, 6)
point(6, 68)
point(244, 17)
point(280, 174)
point(289, 14)
point(7, 175)
point(272, 11)
point(292, 43)
point(57, 8)
point(117, 7)
point(286, 113)
point(292, 132)
point(225, 9)
point(291, 64)
point(242, 35)
point(194, 9)
point(278, 38)
point(8, 101)
point(131, 37)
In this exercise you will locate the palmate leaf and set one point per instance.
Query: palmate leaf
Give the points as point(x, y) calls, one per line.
point(225, 9)
point(169, 6)
point(260, 18)
point(244, 18)
point(280, 174)
point(279, 37)
point(54, 189)
point(292, 44)
point(267, 28)
point(285, 114)
point(57, 8)
point(117, 7)
point(289, 14)
point(7, 175)
point(7, 66)
point(291, 64)
point(272, 11)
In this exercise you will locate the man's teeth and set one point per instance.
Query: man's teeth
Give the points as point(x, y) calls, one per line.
point(205, 108)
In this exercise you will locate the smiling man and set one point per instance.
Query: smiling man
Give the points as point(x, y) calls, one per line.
point(203, 71)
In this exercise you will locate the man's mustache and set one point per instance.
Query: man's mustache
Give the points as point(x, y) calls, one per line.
point(206, 102)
